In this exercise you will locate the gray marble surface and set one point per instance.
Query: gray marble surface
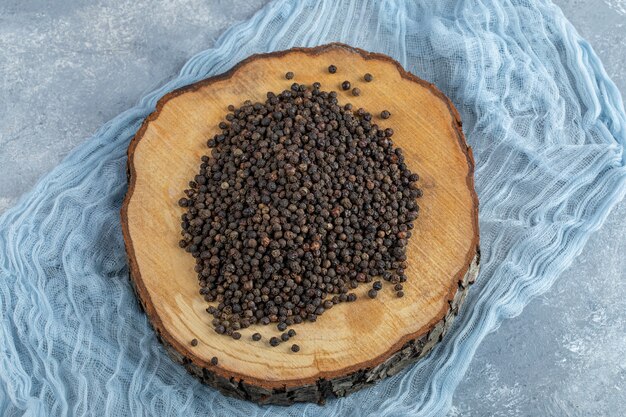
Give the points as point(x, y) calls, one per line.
point(68, 66)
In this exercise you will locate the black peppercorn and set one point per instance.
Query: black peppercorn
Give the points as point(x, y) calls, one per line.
point(400, 294)
point(289, 75)
point(214, 360)
point(368, 77)
point(372, 293)
point(312, 199)
point(356, 92)
point(274, 341)
point(295, 348)
point(385, 114)
point(291, 332)
point(194, 342)
point(284, 337)
point(256, 337)
point(332, 69)
point(345, 85)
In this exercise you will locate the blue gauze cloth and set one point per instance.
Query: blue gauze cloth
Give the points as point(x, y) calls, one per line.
point(548, 131)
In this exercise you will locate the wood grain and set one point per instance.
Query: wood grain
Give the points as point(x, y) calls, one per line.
point(352, 344)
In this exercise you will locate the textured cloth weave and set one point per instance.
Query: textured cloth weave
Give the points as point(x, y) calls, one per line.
point(548, 131)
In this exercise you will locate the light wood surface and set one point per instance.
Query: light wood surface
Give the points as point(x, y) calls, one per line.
point(165, 155)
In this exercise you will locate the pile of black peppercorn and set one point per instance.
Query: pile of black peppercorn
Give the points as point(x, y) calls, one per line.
point(300, 201)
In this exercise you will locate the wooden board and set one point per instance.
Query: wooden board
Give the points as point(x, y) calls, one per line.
point(353, 344)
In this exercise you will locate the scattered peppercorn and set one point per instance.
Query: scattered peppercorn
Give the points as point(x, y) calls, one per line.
point(214, 360)
point(291, 332)
point(400, 294)
point(256, 337)
point(274, 341)
point(298, 201)
point(284, 337)
point(397, 287)
point(345, 85)
point(385, 114)
point(356, 91)
point(332, 69)
point(295, 348)
point(377, 285)
point(194, 342)
point(289, 75)
point(368, 77)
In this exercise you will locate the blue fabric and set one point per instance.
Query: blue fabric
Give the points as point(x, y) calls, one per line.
point(548, 131)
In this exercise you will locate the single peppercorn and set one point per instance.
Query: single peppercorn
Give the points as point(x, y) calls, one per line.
point(214, 360)
point(332, 69)
point(289, 75)
point(281, 326)
point(291, 332)
point(274, 341)
point(194, 342)
point(295, 348)
point(368, 77)
point(256, 337)
point(356, 91)
point(397, 287)
point(372, 293)
point(236, 335)
point(400, 294)
point(377, 285)
point(284, 337)
point(385, 114)
point(345, 85)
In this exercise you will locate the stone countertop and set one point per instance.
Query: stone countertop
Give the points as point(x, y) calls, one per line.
point(67, 67)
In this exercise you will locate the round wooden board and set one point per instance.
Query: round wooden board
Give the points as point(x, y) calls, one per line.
point(353, 344)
